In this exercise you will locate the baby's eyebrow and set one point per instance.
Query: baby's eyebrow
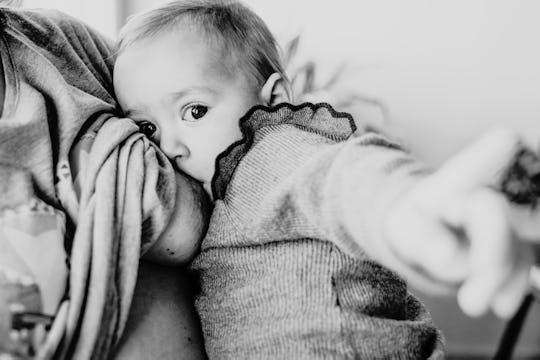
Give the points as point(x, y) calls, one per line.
point(177, 95)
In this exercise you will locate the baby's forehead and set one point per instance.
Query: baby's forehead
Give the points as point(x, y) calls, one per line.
point(229, 56)
point(188, 43)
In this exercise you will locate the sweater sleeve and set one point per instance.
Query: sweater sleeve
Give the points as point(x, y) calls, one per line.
point(310, 186)
point(357, 184)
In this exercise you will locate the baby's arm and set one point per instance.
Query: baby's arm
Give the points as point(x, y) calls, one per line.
point(456, 227)
point(445, 230)
point(441, 230)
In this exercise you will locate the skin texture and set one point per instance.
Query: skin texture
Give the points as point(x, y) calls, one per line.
point(180, 241)
point(162, 323)
point(156, 81)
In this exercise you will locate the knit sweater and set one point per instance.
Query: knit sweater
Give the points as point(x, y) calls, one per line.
point(287, 269)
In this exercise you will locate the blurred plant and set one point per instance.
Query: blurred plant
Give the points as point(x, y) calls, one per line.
point(368, 113)
point(521, 183)
point(11, 3)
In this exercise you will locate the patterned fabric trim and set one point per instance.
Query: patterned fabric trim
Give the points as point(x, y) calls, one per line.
point(320, 118)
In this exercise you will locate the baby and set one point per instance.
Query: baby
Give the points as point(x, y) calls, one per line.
point(305, 213)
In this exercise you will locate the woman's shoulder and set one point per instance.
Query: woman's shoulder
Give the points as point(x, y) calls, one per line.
point(81, 55)
point(53, 30)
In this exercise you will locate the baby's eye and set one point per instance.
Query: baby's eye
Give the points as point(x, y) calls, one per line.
point(194, 112)
point(147, 128)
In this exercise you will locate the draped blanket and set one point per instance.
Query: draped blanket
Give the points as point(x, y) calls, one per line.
point(125, 182)
point(82, 192)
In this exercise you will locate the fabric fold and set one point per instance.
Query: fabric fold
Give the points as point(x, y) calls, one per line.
point(77, 184)
point(116, 197)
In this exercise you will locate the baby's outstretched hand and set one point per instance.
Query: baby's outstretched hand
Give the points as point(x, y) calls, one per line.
point(454, 226)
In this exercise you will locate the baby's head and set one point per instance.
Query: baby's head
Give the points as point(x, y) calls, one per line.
point(193, 68)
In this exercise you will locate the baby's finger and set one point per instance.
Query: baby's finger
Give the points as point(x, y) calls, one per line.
point(511, 294)
point(425, 243)
point(492, 251)
point(481, 163)
point(443, 257)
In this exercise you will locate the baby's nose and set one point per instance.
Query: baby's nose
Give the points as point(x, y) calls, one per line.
point(173, 147)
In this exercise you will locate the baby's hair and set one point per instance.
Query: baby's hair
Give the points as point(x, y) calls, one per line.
point(241, 35)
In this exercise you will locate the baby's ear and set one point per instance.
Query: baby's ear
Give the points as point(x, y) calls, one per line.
point(275, 90)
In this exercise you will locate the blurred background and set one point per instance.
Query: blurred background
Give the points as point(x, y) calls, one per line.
point(438, 72)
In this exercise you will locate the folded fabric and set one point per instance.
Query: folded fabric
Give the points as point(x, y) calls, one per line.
point(121, 182)
point(83, 192)
point(124, 182)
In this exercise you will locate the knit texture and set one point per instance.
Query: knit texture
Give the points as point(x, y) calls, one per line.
point(287, 268)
